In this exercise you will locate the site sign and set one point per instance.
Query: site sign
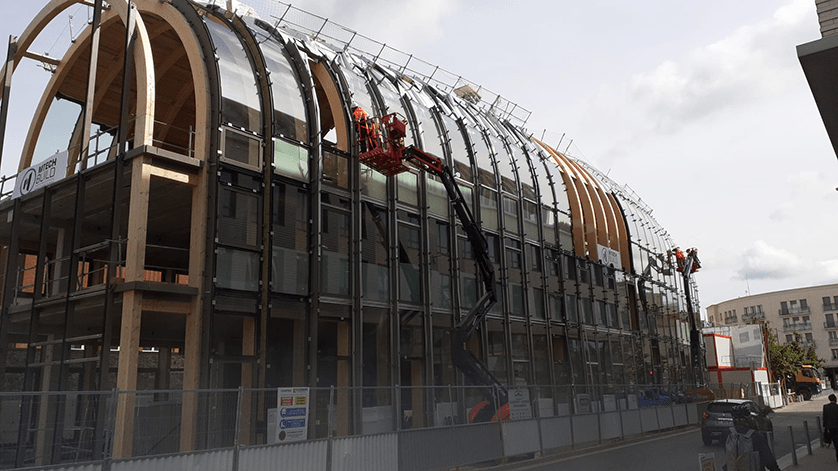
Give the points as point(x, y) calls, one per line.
point(292, 414)
point(41, 174)
point(519, 404)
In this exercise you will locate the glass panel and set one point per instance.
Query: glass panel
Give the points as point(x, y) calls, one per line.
point(57, 129)
point(437, 196)
point(545, 187)
point(440, 246)
point(394, 105)
point(496, 361)
point(237, 269)
point(486, 171)
point(462, 161)
point(489, 208)
point(288, 98)
point(408, 187)
point(525, 176)
point(531, 221)
point(510, 215)
point(238, 220)
point(335, 170)
point(375, 265)
point(410, 282)
point(376, 366)
point(503, 159)
point(548, 225)
point(291, 160)
point(240, 95)
point(431, 141)
point(562, 203)
point(335, 243)
point(289, 269)
point(242, 149)
point(468, 274)
point(373, 184)
point(565, 234)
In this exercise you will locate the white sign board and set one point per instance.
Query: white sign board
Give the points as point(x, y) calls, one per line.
point(42, 174)
point(519, 404)
point(292, 414)
point(608, 256)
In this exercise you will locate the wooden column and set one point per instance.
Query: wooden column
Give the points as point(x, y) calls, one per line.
point(132, 300)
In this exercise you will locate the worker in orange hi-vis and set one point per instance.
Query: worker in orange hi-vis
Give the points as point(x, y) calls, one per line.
point(366, 131)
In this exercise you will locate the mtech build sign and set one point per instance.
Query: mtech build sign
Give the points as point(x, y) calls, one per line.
point(41, 174)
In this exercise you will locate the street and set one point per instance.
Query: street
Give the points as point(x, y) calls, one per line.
point(678, 450)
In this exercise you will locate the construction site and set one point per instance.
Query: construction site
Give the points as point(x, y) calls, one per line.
point(222, 222)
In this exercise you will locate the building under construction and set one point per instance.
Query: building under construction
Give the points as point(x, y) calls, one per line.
point(208, 225)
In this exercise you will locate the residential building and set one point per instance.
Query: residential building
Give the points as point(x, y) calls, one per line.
point(809, 313)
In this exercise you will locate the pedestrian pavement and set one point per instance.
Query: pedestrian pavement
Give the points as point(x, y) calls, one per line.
point(821, 458)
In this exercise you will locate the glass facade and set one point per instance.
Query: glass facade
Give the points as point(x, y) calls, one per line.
point(322, 272)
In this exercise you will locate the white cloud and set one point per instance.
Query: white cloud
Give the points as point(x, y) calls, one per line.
point(754, 62)
point(763, 261)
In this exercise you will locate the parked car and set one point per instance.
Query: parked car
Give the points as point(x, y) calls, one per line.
point(717, 420)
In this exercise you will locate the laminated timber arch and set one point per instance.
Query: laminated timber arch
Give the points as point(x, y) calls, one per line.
point(176, 85)
point(143, 64)
point(596, 217)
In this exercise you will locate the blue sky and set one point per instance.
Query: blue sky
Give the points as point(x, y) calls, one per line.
point(700, 107)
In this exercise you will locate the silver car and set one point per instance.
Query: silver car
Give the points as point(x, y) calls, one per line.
point(717, 420)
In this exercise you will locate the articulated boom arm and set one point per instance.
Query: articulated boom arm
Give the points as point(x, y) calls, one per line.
point(386, 155)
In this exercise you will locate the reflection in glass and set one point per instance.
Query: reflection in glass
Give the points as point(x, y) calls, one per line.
point(510, 215)
point(291, 160)
point(408, 188)
point(375, 265)
point(335, 170)
point(373, 184)
point(410, 276)
point(289, 268)
point(335, 241)
point(240, 94)
point(289, 118)
point(237, 269)
point(462, 161)
point(440, 246)
point(503, 160)
point(238, 221)
point(489, 208)
point(242, 148)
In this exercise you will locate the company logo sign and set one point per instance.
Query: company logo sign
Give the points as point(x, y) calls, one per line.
point(42, 174)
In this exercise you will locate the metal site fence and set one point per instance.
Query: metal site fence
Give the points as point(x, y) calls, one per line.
point(51, 428)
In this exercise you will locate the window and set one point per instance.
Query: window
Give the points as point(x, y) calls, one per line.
point(835, 354)
point(804, 305)
point(830, 321)
point(789, 338)
point(809, 338)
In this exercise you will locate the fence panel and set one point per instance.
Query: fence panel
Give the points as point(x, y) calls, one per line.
point(556, 432)
point(366, 453)
point(301, 455)
point(680, 412)
point(632, 422)
point(452, 446)
point(220, 460)
point(610, 426)
point(585, 429)
point(665, 419)
point(520, 436)
point(649, 419)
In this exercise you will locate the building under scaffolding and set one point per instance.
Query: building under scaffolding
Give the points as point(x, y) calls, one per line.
point(209, 226)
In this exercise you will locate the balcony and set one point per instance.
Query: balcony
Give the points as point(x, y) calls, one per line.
point(793, 311)
point(756, 315)
point(830, 307)
point(731, 320)
point(797, 327)
point(807, 343)
point(830, 325)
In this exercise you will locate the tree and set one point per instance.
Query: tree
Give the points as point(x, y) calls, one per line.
point(785, 358)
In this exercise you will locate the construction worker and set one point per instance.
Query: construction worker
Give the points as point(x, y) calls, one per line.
point(366, 129)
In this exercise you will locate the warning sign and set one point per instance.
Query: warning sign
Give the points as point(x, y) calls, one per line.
point(519, 404)
point(292, 411)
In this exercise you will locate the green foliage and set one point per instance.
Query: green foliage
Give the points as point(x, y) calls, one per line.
point(784, 358)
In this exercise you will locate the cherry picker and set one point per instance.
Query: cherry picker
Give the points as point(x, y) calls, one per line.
point(382, 148)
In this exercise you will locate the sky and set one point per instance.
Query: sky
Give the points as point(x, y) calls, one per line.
point(701, 108)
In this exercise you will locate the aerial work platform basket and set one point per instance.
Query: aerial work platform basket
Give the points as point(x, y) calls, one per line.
point(383, 153)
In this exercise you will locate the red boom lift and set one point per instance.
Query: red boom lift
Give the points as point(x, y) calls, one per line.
point(383, 150)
